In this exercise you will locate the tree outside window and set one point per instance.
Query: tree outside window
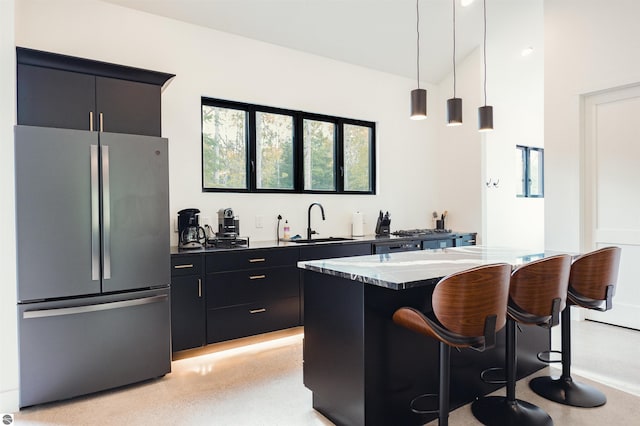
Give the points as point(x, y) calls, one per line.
point(319, 155)
point(224, 154)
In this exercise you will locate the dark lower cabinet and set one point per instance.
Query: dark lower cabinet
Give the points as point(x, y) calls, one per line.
point(252, 318)
point(437, 244)
point(224, 295)
point(251, 292)
point(188, 311)
point(465, 240)
point(326, 251)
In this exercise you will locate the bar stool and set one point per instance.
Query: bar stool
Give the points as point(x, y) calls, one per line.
point(591, 285)
point(537, 295)
point(469, 307)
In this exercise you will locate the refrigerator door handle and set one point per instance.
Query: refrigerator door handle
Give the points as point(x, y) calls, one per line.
point(106, 215)
point(56, 312)
point(95, 215)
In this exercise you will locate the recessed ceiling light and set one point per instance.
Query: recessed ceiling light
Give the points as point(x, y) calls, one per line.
point(465, 3)
point(527, 51)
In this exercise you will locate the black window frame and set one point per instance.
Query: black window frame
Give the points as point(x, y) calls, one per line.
point(298, 149)
point(525, 191)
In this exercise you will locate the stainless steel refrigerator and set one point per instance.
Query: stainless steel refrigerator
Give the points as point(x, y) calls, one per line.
point(93, 261)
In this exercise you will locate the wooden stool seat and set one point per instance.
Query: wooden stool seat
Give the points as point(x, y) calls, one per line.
point(592, 286)
point(469, 308)
point(537, 295)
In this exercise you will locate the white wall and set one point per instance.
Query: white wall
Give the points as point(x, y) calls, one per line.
point(8, 313)
point(220, 65)
point(459, 152)
point(515, 88)
point(589, 46)
point(468, 159)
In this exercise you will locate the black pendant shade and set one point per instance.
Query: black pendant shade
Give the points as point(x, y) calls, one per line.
point(485, 118)
point(418, 104)
point(454, 112)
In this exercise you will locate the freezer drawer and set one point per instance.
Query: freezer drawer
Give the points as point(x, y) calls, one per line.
point(76, 347)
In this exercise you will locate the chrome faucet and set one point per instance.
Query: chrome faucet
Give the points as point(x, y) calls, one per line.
point(309, 230)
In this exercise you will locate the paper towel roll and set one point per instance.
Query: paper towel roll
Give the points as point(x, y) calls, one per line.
point(357, 225)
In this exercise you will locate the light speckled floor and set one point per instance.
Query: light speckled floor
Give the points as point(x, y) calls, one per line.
point(240, 384)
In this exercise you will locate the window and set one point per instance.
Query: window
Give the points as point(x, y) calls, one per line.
point(252, 148)
point(358, 154)
point(224, 148)
point(530, 166)
point(274, 151)
point(319, 140)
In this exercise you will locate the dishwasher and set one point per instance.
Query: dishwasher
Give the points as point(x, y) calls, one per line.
point(396, 246)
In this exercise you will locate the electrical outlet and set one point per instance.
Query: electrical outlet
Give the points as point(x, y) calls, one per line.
point(259, 220)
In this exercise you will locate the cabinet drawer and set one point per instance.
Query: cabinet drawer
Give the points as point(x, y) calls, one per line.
point(235, 288)
point(186, 265)
point(249, 259)
point(250, 319)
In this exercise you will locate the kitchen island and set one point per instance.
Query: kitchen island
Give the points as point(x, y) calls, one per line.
point(364, 369)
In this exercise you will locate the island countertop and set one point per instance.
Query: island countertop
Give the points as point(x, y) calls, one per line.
point(399, 271)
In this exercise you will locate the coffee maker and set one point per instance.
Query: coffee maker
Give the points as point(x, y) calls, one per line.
point(228, 224)
point(191, 234)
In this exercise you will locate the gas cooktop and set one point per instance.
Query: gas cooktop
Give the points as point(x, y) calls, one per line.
point(228, 242)
point(419, 232)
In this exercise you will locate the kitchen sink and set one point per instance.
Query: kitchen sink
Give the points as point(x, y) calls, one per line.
point(322, 240)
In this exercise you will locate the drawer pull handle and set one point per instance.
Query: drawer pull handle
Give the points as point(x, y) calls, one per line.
point(199, 288)
point(257, 277)
point(257, 311)
point(259, 259)
point(188, 265)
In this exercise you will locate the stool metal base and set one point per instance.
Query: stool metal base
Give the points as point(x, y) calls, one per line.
point(566, 391)
point(499, 411)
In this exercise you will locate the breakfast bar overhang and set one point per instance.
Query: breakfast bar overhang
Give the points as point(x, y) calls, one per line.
point(365, 370)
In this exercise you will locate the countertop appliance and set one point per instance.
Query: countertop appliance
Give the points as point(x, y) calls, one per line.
point(383, 225)
point(228, 225)
point(191, 234)
point(228, 231)
point(93, 261)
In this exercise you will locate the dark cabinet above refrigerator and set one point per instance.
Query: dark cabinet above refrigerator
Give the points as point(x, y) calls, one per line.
point(75, 93)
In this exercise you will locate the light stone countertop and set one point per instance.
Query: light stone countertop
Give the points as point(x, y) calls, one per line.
point(404, 270)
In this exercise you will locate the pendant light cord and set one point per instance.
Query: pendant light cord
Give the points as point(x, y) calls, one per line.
point(484, 50)
point(418, 41)
point(454, 47)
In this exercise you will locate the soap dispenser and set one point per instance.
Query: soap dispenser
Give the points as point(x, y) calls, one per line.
point(287, 231)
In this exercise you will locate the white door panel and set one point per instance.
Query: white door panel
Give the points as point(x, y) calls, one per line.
point(611, 209)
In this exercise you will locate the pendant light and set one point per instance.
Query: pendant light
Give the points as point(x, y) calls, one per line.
point(485, 113)
point(418, 96)
point(454, 105)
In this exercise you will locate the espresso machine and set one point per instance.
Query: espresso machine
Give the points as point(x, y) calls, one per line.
point(228, 225)
point(191, 234)
point(228, 231)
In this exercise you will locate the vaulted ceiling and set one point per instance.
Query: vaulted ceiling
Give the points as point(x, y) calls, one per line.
point(377, 34)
